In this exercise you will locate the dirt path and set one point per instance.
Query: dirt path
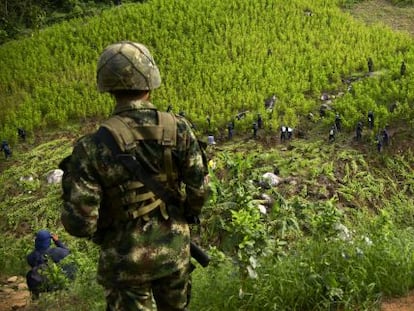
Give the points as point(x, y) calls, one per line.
point(14, 294)
point(399, 304)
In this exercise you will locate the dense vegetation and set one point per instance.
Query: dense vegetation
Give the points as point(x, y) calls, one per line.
point(341, 222)
point(296, 51)
point(19, 18)
point(338, 236)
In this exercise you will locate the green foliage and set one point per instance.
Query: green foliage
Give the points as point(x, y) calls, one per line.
point(403, 2)
point(306, 253)
point(49, 79)
point(340, 222)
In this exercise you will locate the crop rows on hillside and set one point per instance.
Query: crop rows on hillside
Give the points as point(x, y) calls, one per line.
point(216, 58)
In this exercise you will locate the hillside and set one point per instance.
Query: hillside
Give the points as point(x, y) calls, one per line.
point(306, 260)
point(297, 52)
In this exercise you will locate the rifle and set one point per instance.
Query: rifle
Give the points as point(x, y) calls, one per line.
point(198, 254)
point(133, 166)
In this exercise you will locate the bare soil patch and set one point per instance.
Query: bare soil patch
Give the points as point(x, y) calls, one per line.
point(399, 304)
point(382, 11)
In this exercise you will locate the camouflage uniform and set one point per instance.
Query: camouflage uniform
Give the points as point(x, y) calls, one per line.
point(140, 256)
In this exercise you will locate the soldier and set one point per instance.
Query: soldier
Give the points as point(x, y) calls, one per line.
point(370, 120)
point(134, 186)
point(169, 108)
point(6, 149)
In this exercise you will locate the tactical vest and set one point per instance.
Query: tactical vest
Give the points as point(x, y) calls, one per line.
point(132, 199)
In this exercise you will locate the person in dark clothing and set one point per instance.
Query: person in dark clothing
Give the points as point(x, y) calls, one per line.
point(42, 246)
point(403, 68)
point(255, 128)
point(359, 131)
point(21, 133)
point(169, 108)
point(322, 110)
point(379, 143)
point(38, 260)
point(385, 137)
point(283, 133)
point(209, 121)
point(230, 130)
point(338, 122)
point(6, 149)
point(332, 134)
point(370, 65)
point(289, 132)
point(259, 121)
point(371, 120)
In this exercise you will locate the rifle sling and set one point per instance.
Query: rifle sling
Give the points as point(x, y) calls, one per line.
point(135, 168)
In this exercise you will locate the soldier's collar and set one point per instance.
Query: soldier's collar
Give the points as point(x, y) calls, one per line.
point(126, 105)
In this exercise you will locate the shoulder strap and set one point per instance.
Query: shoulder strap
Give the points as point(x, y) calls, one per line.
point(134, 167)
point(169, 139)
point(127, 133)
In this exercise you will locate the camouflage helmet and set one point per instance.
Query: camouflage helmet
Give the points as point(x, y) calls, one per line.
point(127, 66)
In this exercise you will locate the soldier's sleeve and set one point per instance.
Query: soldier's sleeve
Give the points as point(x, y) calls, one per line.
point(81, 193)
point(194, 172)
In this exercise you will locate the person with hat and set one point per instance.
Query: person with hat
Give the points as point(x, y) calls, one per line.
point(38, 260)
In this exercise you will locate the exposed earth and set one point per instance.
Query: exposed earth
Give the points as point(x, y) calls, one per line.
point(399, 304)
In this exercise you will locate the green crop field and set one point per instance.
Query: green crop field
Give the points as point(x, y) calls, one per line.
point(217, 58)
